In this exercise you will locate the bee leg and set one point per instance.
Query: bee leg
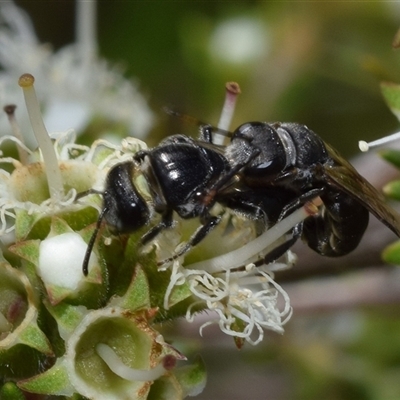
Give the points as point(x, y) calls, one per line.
point(206, 133)
point(209, 222)
point(140, 155)
point(299, 202)
point(165, 223)
point(281, 249)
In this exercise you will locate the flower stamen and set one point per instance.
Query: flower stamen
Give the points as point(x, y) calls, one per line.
point(231, 94)
point(108, 355)
point(53, 173)
point(23, 152)
point(240, 257)
point(365, 146)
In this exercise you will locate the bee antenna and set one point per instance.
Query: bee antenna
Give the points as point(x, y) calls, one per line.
point(364, 146)
point(195, 121)
point(85, 264)
point(183, 117)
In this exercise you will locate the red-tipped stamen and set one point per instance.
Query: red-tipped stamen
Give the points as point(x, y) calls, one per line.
point(22, 153)
point(232, 92)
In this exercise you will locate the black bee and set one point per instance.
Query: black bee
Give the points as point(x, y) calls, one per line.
point(177, 171)
point(266, 172)
point(289, 156)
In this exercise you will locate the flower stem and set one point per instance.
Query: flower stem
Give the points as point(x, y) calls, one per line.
point(53, 173)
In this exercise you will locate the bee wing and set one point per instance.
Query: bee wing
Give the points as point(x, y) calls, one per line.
point(345, 177)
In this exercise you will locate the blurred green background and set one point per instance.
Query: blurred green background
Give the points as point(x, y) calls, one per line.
point(318, 63)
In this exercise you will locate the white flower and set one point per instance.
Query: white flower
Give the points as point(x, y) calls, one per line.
point(245, 302)
point(74, 86)
point(256, 308)
point(245, 298)
point(82, 167)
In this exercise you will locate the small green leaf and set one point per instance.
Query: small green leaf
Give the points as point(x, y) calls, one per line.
point(392, 156)
point(33, 337)
point(193, 377)
point(138, 294)
point(59, 226)
point(391, 254)
point(392, 190)
point(391, 93)
point(54, 381)
point(178, 294)
point(166, 388)
point(24, 221)
point(56, 294)
point(67, 316)
point(28, 250)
